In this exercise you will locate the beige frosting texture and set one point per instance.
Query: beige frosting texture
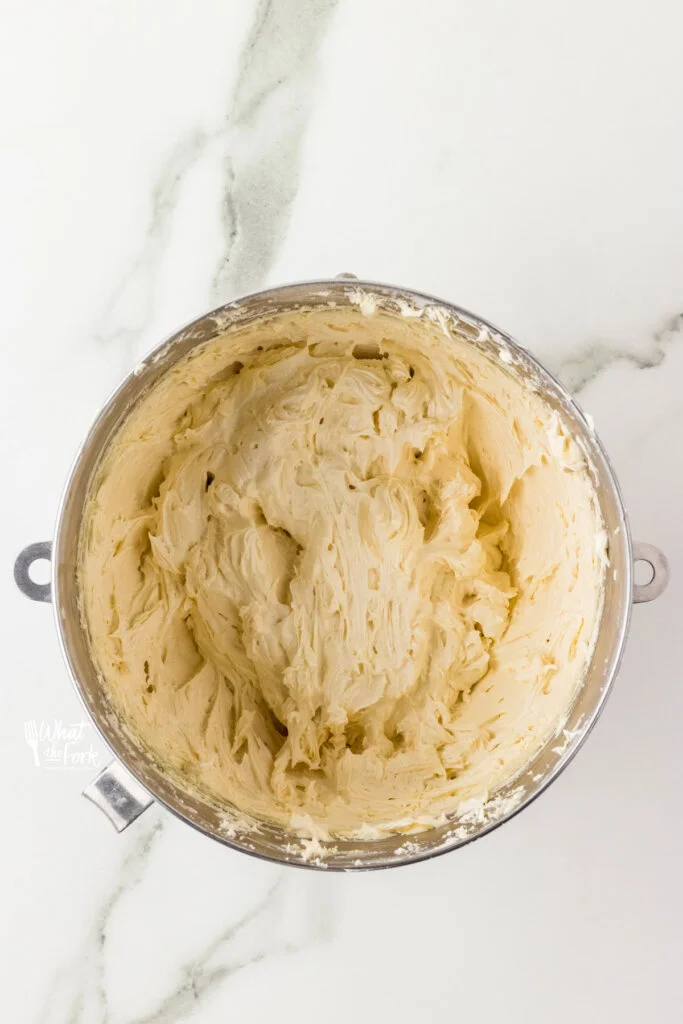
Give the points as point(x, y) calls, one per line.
point(342, 569)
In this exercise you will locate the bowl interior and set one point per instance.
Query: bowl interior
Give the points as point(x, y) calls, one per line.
point(268, 840)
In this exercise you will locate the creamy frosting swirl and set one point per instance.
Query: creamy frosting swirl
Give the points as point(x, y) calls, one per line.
point(342, 566)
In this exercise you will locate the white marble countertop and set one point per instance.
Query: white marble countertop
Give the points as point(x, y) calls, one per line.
point(523, 160)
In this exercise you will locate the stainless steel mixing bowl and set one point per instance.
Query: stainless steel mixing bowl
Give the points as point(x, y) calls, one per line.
point(124, 792)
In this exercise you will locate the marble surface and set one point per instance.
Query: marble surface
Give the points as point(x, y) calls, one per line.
point(523, 160)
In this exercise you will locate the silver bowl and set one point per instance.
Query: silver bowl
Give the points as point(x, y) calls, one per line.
point(130, 784)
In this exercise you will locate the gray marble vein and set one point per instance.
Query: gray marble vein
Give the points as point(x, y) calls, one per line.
point(271, 105)
point(582, 368)
point(261, 133)
point(130, 308)
point(78, 994)
point(215, 964)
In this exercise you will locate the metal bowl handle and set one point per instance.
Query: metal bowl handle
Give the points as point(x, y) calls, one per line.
point(118, 795)
point(25, 559)
point(656, 559)
point(114, 791)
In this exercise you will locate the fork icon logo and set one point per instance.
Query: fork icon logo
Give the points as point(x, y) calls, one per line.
point(31, 733)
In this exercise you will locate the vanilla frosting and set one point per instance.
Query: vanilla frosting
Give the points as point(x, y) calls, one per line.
point(340, 567)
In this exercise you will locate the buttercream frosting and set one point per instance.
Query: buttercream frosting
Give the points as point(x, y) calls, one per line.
point(340, 567)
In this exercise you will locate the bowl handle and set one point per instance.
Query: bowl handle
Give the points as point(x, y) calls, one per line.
point(119, 795)
point(114, 791)
point(660, 572)
point(25, 559)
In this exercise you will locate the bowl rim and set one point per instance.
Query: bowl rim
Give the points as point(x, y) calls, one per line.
point(345, 285)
